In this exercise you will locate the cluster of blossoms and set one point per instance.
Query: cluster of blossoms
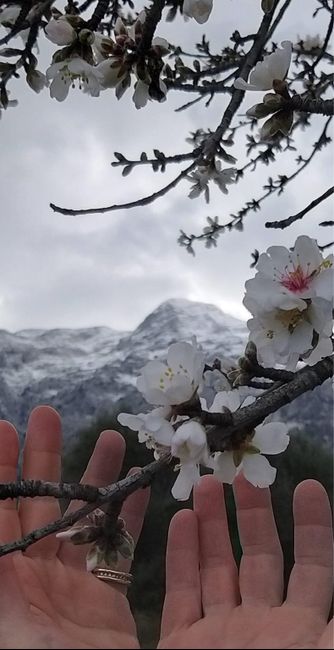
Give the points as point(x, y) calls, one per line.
point(179, 386)
point(97, 62)
point(291, 300)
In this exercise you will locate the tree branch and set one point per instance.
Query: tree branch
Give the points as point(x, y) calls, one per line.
point(247, 418)
point(98, 15)
point(289, 220)
point(116, 492)
point(132, 204)
point(47, 489)
point(152, 19)
point(319, 106)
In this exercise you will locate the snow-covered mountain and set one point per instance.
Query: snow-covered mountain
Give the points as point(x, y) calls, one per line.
point(86, 372)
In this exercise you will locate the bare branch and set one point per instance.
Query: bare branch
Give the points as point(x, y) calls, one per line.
point(132, 204)
point(305, 104)
point(47, 489)
point(116, 492)
point(289, 220)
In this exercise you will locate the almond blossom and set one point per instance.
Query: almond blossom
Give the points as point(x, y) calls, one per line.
point(65, 73)
point(59, 31)
point(153, 428)
point(274, 67)
point(176, 382)
point(290, 299)
point(206, 173)
point(117, 61)
point(198, 9)
point(247, 457)
point(189, 444)
point(285, 336)
point(288, 278)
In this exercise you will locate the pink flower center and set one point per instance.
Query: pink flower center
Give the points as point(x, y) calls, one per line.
point(296, 280)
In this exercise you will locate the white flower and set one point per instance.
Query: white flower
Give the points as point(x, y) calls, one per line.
point(189, 444)
point(198, 9)
point(213, 382)
point(59, 31)
point(287, 278)
point(65, 73)
point(273, 67)
point(102, 47)
point(286, 335)
point(141, 94)
point(111, 74)
point(290, 298)
point(152, 427)
point(176, 382)
point(205, 173)
point(270, 438)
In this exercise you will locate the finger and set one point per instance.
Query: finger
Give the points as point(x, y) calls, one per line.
point(13, 607)
point(261, 568)
point(103, 468)
point(219, 577)
point(41, 460)
point(10, 528)
point(182, 606)
point(326, 641)
point(310, 583)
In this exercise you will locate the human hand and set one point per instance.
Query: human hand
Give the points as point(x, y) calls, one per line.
point(208, 605)
point(47, 599)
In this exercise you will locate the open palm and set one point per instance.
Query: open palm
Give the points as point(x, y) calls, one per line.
point(208, 605)
point(47, 599)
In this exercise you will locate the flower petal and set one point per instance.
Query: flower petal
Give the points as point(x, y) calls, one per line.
point(188, 477)
point(224, 467)
point(271, 438)
point(226, 398)
point(258, 471)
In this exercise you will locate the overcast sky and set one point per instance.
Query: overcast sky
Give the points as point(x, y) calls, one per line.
point(113, 269)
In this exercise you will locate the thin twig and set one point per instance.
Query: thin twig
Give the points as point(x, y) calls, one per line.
point(146, 200)
point(289, 220)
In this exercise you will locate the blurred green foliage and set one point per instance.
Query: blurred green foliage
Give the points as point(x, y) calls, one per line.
point(305, 458)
